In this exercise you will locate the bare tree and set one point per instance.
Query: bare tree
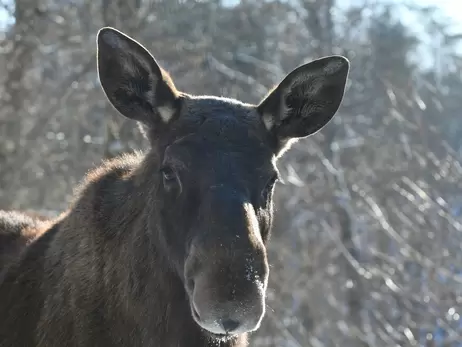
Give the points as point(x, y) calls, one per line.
point(367, 237)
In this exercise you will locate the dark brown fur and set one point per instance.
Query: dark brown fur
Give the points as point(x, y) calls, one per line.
point(167, 247)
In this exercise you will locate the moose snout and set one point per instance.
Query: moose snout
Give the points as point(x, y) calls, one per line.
point(227, 309)
point(226, 271)
point(227, 295)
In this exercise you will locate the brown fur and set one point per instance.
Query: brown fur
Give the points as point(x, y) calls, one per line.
point(167, 247)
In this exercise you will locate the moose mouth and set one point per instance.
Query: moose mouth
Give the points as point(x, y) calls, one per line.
point(215, 336)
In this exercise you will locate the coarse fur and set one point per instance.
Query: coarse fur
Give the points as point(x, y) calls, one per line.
point(164, 247)
point(17, 230)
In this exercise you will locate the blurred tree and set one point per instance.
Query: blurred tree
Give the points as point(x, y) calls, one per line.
point(366, 245)
point(23, 39)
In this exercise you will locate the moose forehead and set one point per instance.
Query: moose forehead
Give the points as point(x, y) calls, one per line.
point(210, 128)
point(250, 135)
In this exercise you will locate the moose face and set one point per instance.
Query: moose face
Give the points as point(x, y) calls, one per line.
point(215, 171)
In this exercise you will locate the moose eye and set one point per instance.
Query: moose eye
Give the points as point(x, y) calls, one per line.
point(168, 175)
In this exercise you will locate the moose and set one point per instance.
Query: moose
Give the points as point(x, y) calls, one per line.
point(165, 247)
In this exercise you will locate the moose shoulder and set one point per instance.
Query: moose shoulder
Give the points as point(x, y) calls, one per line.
point(166, 247)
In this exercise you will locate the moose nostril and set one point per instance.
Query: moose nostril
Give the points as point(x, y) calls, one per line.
point(196, 312)
point(229, 325)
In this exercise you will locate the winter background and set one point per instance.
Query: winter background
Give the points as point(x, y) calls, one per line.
point(366, 250)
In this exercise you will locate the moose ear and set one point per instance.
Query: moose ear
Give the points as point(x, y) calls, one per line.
point(133, 81)
point(306, 99)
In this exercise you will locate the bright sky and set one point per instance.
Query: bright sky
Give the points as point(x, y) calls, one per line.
point(451, 8)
